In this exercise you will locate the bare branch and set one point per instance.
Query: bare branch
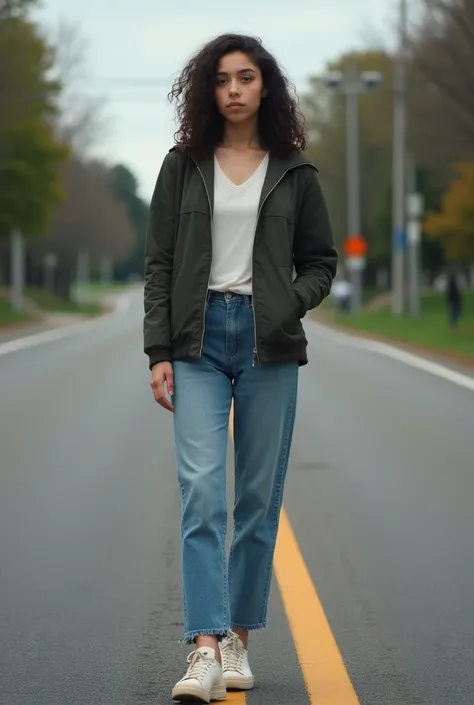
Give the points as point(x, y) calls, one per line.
point(460, 99)
point(80, 122)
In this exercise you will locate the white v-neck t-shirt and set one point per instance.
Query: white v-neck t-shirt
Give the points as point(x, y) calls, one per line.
point(233, 230)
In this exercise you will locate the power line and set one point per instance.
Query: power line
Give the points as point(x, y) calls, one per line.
point(126, 80)
point(150, 80)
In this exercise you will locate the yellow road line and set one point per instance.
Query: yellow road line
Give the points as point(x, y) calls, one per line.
point(324, 672)
point(325, 675)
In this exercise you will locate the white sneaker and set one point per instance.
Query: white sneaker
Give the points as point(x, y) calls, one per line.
point(235, 664)
point(203, 681)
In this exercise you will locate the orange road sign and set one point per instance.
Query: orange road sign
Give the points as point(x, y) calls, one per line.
point(355, 246)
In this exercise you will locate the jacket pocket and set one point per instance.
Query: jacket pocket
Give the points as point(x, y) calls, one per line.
point(277, 309)
point(294, 300)
point(290, 327)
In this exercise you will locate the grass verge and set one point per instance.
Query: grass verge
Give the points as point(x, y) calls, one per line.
point(10, 317)
point(50, 303)
point(431, 331)
point(38, 303)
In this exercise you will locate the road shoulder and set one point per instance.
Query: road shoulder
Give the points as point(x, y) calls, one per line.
point(456, 362)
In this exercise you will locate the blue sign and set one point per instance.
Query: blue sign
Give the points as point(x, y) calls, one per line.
point(400, 238)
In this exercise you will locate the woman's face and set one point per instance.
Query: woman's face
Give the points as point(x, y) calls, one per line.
point(239, 87)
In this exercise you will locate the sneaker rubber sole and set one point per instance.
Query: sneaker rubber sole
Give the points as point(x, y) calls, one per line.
point(188, 693)
point(239, 682)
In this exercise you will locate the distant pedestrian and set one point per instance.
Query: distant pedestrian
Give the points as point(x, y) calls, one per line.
point(453, 299)
point(342, 293)
point(236, 210)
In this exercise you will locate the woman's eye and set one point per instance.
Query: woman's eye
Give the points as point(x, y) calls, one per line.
point(247, 79)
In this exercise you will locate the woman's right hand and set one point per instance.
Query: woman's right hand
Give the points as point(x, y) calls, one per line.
point(162, 383)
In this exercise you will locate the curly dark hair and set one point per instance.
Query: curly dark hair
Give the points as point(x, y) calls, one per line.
point(201, 126)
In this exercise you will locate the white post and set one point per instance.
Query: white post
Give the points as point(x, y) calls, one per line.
point(415, 207)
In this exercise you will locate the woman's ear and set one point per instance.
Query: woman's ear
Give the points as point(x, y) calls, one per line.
point(264, 93)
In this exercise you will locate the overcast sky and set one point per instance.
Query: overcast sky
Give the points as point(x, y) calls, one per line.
point(134, 49)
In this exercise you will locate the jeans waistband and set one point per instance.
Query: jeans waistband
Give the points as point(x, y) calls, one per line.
point(227, 297)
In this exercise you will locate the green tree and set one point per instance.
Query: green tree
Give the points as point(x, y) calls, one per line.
point(30, 153)
point(29, 183)
point(125, 187)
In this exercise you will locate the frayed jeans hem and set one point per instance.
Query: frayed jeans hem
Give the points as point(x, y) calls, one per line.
point(250, 627)
point(191, 637)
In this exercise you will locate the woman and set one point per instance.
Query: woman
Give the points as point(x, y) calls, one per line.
point(236, 210)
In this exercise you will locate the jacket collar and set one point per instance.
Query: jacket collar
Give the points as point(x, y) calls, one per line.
point(277, 168)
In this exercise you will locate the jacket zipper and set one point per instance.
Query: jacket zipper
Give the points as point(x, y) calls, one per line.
point(209, 277)
point(256, 358)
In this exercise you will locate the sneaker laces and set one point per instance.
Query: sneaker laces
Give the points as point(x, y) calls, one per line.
point(199, 666)
point(232, 653)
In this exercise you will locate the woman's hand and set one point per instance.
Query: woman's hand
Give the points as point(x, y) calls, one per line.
point(162, 383)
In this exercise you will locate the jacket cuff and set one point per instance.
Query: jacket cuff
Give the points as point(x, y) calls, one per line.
point(157, 354)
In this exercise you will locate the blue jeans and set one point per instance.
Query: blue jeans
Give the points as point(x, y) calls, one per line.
point(219, 595)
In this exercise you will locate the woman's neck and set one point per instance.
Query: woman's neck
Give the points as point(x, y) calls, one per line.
point(241, 137)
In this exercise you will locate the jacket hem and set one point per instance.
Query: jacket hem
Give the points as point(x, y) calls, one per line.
point(266, 355)
point(297, 354)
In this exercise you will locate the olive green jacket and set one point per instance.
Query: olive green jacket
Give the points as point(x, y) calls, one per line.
point(293, 234)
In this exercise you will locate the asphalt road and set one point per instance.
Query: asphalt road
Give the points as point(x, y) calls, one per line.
point(380, 496)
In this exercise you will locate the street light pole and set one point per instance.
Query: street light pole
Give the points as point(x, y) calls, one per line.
point(351, 86)
point(399, 188)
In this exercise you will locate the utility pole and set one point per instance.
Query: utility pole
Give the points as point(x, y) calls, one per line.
point(17, 270)
point(399, 148)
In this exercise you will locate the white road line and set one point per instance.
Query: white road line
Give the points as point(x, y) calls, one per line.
point(123, 305)
point(29, 341)
point(400, 355)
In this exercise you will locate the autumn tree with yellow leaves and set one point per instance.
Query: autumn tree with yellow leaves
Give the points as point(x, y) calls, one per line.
point(454, 224)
